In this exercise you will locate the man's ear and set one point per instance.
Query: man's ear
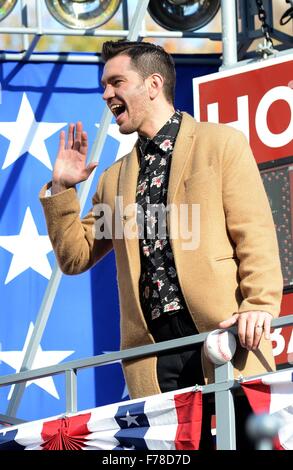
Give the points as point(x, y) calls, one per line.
point(155, 85)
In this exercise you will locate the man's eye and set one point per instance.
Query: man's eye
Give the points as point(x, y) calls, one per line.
point(117, 82)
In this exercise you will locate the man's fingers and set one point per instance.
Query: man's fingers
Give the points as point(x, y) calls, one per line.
point(62, 141)
point(258, 331)
point(242, 330)
point(77, 137)
point(229, 322)
point(90, 168)
point(251, 326)
point(84, 143)
point(70, 139)
point(250, 338)
point(267, 326)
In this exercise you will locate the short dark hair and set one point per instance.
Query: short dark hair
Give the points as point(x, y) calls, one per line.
point(147, 58)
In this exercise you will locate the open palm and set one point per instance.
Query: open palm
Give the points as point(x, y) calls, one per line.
point(70, 167)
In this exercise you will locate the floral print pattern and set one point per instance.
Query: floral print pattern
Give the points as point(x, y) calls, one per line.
point(160, 292)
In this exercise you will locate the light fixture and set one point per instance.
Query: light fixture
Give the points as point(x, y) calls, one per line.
point(6, 7)
point(183, 15)
point(83, 14)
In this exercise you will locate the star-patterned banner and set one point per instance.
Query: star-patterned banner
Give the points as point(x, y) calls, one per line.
point(36, 102)
point(168, 421)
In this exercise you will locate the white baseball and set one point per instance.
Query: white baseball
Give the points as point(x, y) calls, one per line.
point(220, 346)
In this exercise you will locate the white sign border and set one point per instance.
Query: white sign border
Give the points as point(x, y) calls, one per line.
point(233, 71)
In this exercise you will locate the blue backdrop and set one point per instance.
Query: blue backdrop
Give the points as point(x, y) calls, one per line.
point(38, 100)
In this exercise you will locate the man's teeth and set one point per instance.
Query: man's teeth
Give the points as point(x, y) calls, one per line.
point(116, 107)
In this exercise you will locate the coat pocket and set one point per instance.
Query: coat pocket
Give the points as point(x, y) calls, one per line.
point(226, 257)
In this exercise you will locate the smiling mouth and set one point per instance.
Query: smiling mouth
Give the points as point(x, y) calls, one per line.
point(118, 109)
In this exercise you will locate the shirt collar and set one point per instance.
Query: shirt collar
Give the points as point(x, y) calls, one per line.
point(166, 136)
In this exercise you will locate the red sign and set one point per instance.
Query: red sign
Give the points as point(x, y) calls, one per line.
point(283, 337)
point(258, 100)
point(255, 98)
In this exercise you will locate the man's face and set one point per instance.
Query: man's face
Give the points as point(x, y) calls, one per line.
point(126, 94)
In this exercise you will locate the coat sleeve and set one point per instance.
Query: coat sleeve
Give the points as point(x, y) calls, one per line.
point(74, 241)
point(251, 227)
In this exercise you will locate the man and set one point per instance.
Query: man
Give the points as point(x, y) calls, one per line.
point(229, 271)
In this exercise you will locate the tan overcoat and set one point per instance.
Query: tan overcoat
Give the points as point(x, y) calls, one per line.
point(229, 263)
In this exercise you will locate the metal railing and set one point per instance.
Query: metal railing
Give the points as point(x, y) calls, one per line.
point(222, 387)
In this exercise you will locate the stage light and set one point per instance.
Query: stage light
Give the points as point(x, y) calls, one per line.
point(83, 14)
point(6, 7)
point(183, 15)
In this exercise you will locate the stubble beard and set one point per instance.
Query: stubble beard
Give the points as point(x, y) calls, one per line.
point(138, 114)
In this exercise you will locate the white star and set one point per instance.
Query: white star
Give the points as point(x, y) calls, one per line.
point(130, 419)
point(125, 392)
point(126, 141)
point(29, 249)
point(28, 135)
point(42, 359)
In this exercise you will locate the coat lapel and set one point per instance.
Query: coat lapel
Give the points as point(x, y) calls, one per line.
point(128, 178)
point(127, 190)
point(182, 151)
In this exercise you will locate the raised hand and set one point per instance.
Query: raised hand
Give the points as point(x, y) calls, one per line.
point(70, 167)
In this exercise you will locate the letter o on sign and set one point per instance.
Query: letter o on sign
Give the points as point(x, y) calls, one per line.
point(266, 136)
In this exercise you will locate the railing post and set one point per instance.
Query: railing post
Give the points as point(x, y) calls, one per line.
point(71, 390)
point(225, 415)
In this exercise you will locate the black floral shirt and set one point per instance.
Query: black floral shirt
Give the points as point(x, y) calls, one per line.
point(159, 288)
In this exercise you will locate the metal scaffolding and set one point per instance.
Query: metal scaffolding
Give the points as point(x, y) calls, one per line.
point(236, 36)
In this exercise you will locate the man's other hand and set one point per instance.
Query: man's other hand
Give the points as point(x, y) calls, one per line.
point(251, 326)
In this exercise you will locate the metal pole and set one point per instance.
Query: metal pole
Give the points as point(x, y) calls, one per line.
point(71, 390)
point(29, 47)
point(229, 33)
point(225, 415)
point(24, 22)
point(125, 14)
point(54, 282)
point(137, 21)
point(36, 337)
point(39, 17)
